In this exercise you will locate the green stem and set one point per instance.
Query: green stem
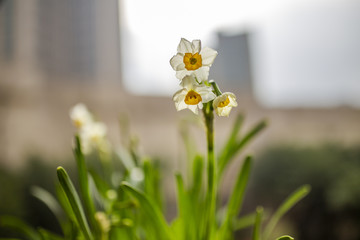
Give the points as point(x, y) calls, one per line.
point(211, 168)
point(216, 87)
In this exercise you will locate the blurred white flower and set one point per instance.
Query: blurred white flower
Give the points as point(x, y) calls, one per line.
point(192, 95)
point(80, 115)
point(92, 136)
point(137, 174)
point(224, 103)
point(191, 59)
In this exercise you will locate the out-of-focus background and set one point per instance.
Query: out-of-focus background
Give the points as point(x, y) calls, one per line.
point(295, 63)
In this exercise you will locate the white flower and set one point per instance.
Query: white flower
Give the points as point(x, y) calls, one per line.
point(193, 95)
point(224, 103)
point(93, 136)
point(80, 115)
point(191, 59)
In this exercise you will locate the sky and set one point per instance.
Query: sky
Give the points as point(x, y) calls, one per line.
point(304, 52)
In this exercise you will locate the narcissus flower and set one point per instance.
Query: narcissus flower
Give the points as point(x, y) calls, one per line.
point(191, 59)
point(93, 135)
point(192, 95)
point(80, 115)
point(224, 103)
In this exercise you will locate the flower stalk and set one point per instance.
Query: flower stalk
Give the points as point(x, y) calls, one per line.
point(211, 168)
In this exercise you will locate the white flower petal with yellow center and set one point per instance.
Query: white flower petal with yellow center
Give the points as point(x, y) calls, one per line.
point(80, 115)
point(191, 59)
point(192, 95)
point(224, 103)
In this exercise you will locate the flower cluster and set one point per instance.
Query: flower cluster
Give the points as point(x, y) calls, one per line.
point(192, 65)
point(92, 133)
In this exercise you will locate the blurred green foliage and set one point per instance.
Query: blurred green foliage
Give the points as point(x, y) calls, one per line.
point(16, 198)
point(332, 210)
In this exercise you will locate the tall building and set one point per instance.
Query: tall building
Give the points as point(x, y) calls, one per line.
point(232, 66)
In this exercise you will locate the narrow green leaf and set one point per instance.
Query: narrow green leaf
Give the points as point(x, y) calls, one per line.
point(182, 208)
point(19, 226)
point(74, 201)
point(232, 138)
point(286, 237)
point(84, 184)
point(257, 225)
point(294, 198)
point(151, 213)
point(46, 235)
point(198, 172)
point(101, 185)
point(239, 145)
point(152, 182)
point(49, 200)
point(61, 196)
point(244, 221)
point(236, 199)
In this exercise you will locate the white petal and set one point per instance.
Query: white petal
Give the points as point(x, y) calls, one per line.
point(188, 82)
point(208, 97)
point(178, 98)
point(196, 46)
point(184, 46)
point(208, 56)
point(181, 105)
point(193, 108)
point(202, 73)
point(179, 95)
point(182, 73)
point(232, 99)
point(176, 60)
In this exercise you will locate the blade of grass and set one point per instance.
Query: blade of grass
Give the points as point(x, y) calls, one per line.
point(197, 179)
point(236, 199)
point(232, 137)
point(286, 237)
point(46, 235)
point(19, 226)
point(152, 182)
point(236, 147)
point(151, 212)
point(74, 201)
point(188, 214)
point(84, 185)
point(257, 225)
point(289, 202)
point(49, 200)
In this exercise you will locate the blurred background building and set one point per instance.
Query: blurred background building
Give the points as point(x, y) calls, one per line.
point(296, 64)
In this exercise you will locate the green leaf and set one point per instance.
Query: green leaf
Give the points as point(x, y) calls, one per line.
point(198, 172)
point(294, 198)
point(286, 237)
point(151, 213)
point(152, 182)
point(101, 185)
point(19, 226)
point(49, 200)
point(74, 201)
point(232, 138)
point(46, 235)
point(244, 221)
point(84, 184)
point(257, 225)
point(235, 147)
point(236, 199)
